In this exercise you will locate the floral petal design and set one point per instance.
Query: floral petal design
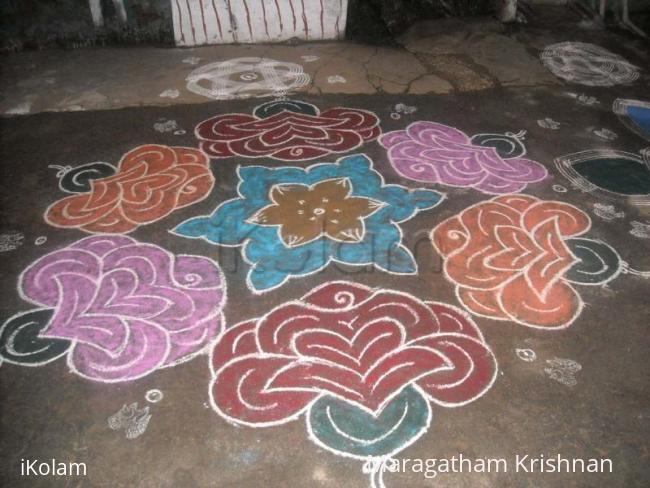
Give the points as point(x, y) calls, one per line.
point(293, 221)
point(150, 182)
point(588, 64)
point(514, 257)
point(288, 131)
point(360, 345)
point(246, 77)
point(305, 213)
point(123, 308)
point(437, 153)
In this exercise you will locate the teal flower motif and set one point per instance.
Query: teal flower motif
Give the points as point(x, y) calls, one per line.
point(346, 429)
point(374, 237)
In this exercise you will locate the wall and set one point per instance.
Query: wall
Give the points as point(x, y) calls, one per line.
point(38, 24)
point(380, 21)
point(199, 22)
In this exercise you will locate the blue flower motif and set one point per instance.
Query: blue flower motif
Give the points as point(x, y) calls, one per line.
point(273, 260)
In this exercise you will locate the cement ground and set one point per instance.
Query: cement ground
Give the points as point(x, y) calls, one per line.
point(476, 76)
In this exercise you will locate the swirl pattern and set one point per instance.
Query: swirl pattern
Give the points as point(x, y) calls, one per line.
point(588, 64)
point(246, 77)
point(515, 257)
point(288, 131)
point(356, 217)
point(437, 153)
point(151, 181)
point(127, 308)
point(359, 345)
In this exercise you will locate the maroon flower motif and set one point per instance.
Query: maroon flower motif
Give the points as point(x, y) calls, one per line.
point(287, 130)
point(362, 346)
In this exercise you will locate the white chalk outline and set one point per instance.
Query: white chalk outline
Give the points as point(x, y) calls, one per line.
point(11, 244)
point(133, 420)
point(640, 230)
point(565, 165)
point(549, 123)
point(312, 437)
point(596, 65)
point(563, 370)
point(63, 170)
point(527, 355)
point(333, 79)
point(585, 100)
point(272, 81)
point(10, 342)
point(272, 155)
point(154, 395)
point(323, 233)
point(164, 126)
point(434, 165)
point(607, 212)
point(620, 107)
point(606, 134)
point(121, 198)
point(559, 277)
point(349, 306)
point(330, 259)
point(216, 315)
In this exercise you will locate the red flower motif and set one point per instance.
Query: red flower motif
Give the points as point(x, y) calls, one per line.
point(151, 181)
point(359, 344)
point(507, 257)
point(287, 135)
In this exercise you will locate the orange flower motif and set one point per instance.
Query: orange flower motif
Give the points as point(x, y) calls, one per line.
point(508, 256)
point(305, 213)
point(150, 182)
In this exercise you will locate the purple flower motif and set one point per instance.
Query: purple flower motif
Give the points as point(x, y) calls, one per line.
point(437, 153)
point(128, 308)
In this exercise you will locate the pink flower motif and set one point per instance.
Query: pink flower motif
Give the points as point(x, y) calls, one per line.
point(128, 308)
point(361, 345)
point(437, 153)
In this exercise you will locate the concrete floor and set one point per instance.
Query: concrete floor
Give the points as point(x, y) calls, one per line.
point(476, 76)
point(433, 57)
